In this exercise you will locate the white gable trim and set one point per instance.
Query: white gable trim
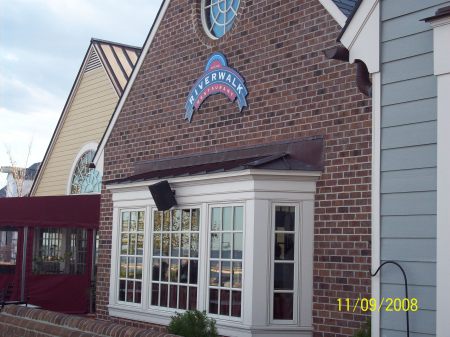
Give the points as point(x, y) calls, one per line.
point(362, 35)
point(62, 118)
point(334, 11)
point(122, 100)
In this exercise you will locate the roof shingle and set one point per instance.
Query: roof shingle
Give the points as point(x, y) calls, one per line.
point(346, 6)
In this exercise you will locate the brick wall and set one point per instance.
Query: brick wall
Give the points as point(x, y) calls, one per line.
point(294, 92)
point(16, 321)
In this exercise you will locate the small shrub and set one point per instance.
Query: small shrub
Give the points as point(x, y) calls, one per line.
point(364, 331)
point(193, 323)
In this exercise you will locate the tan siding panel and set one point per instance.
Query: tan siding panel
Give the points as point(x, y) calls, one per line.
point(86, 121)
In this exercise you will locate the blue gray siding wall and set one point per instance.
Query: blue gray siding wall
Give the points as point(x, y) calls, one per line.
point(408, 161)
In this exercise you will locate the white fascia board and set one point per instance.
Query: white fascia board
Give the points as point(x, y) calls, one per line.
point(334, 11)
point(224, 177)
point(125, 94)
point(362, 36)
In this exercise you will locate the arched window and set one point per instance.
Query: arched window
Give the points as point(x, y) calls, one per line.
point(84, 179)
point(218, 16)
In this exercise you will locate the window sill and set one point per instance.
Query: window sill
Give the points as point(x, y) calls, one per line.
point(225, 327)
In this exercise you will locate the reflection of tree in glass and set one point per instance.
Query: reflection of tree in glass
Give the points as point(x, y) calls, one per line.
point(157, 221)
point(176, 219)
point(185, 222)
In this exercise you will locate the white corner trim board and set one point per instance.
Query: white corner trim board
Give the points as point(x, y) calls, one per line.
point(441, 35)
point(334, 11)
point(141, 59)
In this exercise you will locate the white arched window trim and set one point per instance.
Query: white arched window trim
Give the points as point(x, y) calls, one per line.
point(86, 147)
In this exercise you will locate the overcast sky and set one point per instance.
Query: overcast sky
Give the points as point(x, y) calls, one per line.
point(42, 45)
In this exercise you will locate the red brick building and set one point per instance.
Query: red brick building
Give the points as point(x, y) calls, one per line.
point(272, 224)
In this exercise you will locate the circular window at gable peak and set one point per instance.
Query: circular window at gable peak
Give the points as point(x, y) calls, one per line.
point(218, 16)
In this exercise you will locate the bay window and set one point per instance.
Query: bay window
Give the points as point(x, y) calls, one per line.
point(239, 246)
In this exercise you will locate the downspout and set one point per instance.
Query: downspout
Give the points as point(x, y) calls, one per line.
point(363, 81)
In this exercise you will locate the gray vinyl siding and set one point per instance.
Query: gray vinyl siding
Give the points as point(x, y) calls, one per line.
point(408, 162)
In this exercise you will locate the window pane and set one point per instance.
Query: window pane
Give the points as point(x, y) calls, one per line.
point(284, 218)
point(124, 244)
point(175, 251)
point(176, 220)
point(194, 245)
point(185, 246)
point(238, 218)
point(122, 290)
point(125, 221)
point(236, 304)
point(183, 298)
point(237, 246)
point(165, 244)
point(192, 298)
point(164, 270)
point(155, 293)
point(214, 273)
point(174, 267)
point(157, 220)
point(166, 221)
point(156, 244)
point(213, 301)
point(139, 268)
point(140, 244)
point(226, 246)
point(216, 224)
point(227, 222)
point(186, 221)
point(284, 246)
point(225, 274)
point(284, 276)
point(237, 274)
point(133, 222)
point(163, 295)
point(225, 302)
point(132, 246)
point(184, 271)
point(215, 246)
point(141, 221)
point(195, 220)
point(283, 306)
point(130, 291)
point(156, 269)
point(131, 267)
point(137, 292)
point(123, 267)
point(193, 273)
point(173, 297)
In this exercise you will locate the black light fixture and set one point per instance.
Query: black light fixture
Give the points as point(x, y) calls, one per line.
point(163, 195)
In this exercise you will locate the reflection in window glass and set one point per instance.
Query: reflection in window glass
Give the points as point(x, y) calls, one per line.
point(8, 251)
point(225, 265)
point(175, 258)
point(284, 263)
point(59, 251)
point(131, 256)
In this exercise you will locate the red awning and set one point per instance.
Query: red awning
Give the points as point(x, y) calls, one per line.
point(59, 211)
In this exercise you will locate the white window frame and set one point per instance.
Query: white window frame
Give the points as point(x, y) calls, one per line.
point(297, 261)
point(150, 258)
point(208, 246)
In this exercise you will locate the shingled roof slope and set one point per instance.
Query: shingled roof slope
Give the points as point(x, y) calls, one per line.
point(346, 6)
